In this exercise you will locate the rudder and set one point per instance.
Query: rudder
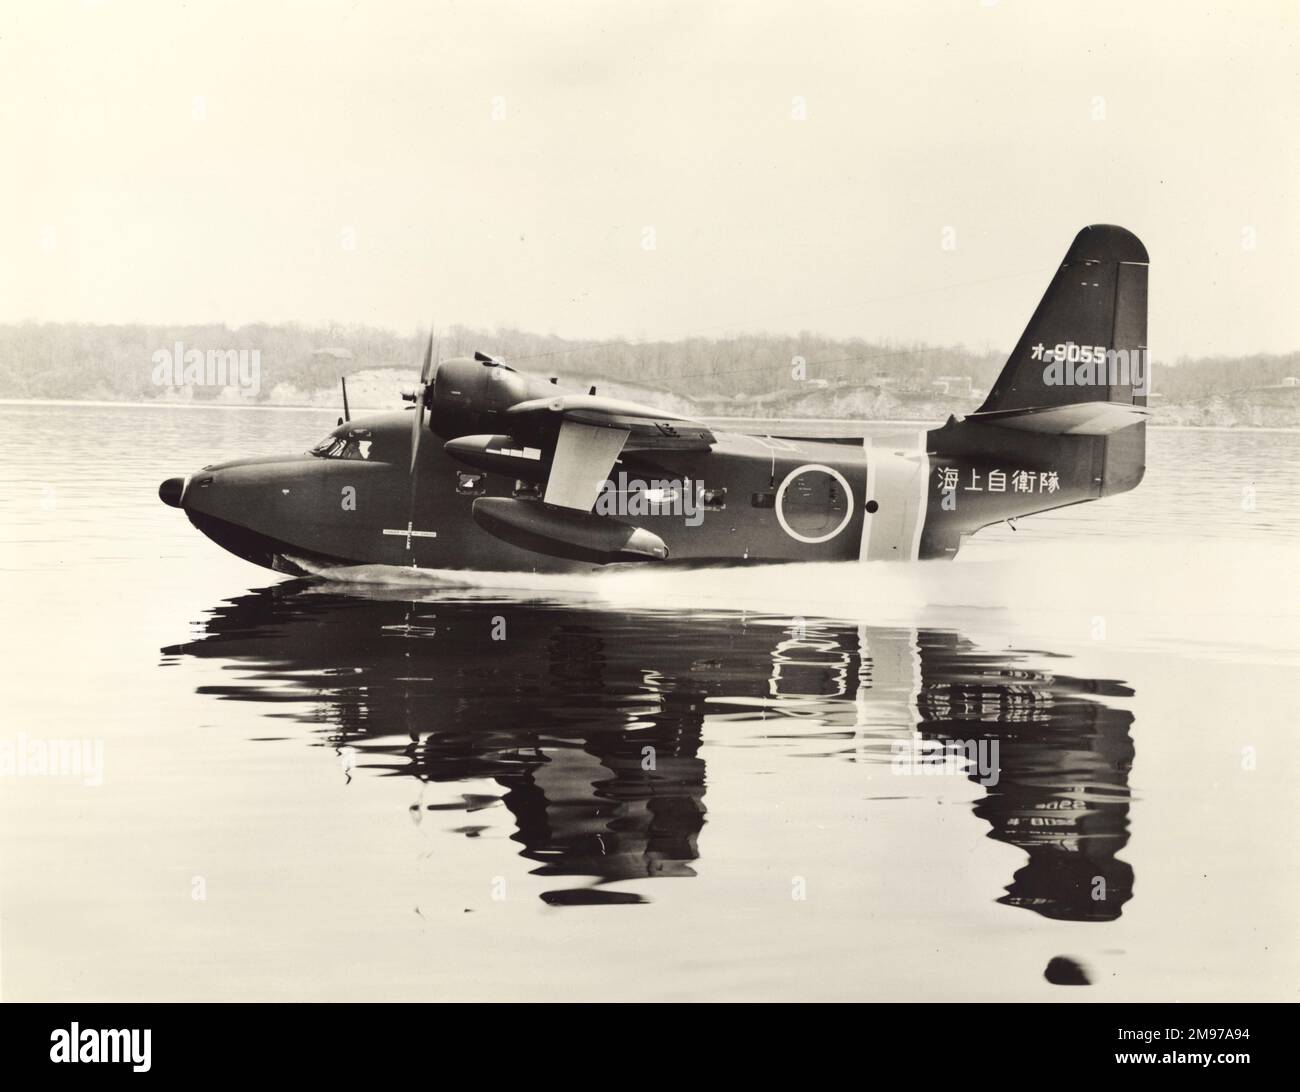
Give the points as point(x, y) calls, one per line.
point(1087, 340)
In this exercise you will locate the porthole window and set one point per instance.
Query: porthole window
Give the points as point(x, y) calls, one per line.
point(470, 485)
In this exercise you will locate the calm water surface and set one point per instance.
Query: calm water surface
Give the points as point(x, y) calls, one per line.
point(633, 786)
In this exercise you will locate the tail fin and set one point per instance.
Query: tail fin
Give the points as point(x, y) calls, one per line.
point(1087, 341)
point(1081, 366)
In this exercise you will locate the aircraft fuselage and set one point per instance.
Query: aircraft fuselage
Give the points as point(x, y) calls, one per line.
point(752, 498)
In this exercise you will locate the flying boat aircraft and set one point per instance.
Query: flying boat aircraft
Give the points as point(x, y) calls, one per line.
point(493, 469)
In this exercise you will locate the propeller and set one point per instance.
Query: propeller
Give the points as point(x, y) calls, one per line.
point(421, 394)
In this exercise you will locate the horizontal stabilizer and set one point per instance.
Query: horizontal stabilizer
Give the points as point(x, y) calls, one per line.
point(1075, 419)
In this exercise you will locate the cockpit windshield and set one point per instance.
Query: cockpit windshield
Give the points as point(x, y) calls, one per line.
point(344, 443)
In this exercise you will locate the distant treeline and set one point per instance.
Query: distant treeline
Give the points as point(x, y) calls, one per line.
point(66, 360)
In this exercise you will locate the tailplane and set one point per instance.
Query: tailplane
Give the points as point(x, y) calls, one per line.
point(1065, 422)
point(1081, 367)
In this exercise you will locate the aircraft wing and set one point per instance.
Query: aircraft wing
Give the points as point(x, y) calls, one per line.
point(588, 434)
point(584, 456)
point(647, 428)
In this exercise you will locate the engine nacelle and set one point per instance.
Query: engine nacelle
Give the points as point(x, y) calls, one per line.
point(469, 396)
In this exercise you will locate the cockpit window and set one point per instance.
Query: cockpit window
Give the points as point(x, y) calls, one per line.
point(344, 444)
point(326, 447)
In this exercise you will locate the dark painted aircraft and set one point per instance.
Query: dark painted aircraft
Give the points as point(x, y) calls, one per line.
point(494, 469)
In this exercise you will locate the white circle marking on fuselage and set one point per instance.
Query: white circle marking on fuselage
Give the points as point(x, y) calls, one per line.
point(780, 497)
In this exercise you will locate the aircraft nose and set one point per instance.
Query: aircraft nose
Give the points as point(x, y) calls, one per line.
point(171, 490)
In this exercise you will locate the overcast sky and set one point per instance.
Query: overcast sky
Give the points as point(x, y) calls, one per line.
point(506, 163)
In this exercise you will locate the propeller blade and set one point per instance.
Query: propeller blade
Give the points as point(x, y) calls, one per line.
point(417, 422)
point(428, 361)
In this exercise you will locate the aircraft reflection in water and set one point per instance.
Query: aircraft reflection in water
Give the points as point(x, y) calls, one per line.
point(561, 712)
